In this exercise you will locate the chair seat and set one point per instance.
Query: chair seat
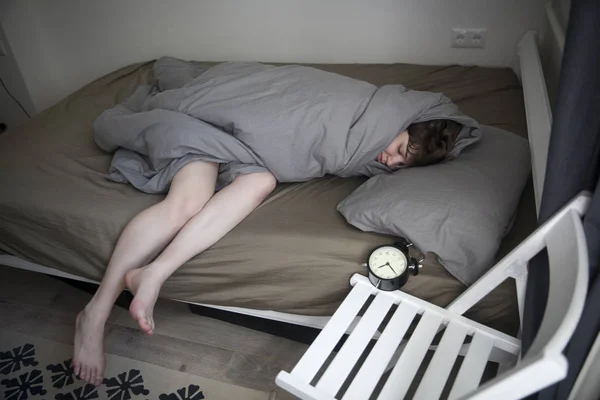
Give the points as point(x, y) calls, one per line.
point(458, 334)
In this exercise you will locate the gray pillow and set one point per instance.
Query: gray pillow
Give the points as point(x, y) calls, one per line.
point(459, 210)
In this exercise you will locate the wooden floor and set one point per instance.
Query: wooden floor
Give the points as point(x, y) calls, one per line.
point(38, 305)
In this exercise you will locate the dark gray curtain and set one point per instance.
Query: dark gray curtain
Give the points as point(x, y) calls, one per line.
point(573, 166)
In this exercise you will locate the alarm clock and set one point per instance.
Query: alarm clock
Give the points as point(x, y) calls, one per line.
point(390, 265)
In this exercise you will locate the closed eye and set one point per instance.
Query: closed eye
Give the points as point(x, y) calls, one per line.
point(402, 152)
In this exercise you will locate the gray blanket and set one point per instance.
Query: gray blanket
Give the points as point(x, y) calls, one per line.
point(297, 122)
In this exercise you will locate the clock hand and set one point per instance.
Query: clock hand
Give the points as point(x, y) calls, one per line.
point(388, 264)
point(384, 265)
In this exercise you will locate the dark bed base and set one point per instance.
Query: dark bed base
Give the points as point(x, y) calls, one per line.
point(294, 332)
point(123, 301)
point(298, 333)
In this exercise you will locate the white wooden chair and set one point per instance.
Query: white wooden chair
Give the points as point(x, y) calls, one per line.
point(540, 367)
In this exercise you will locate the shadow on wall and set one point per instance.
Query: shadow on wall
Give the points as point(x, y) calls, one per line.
point(550, 49)
point(16, 105)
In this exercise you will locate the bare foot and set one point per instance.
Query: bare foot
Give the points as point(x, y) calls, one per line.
point(141, 283)
point(89, 359)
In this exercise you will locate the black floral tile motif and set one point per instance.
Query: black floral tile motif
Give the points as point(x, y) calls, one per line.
point(86, 392)
point(63, 374)
point(192, 392)
point(125, 384)
point(28, 383)
point(11, 361)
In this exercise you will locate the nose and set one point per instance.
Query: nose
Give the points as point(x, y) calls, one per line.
point(394, 161)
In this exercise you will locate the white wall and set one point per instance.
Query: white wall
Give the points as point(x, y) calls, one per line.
point(61, 45)
point(551, 54)
point(562, 8)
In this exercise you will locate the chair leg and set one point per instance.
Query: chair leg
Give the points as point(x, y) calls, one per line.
point(521, 285)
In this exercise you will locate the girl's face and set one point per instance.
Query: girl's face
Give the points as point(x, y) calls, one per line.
point(396, 154)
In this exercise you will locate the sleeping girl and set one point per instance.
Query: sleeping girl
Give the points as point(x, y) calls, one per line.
point(217, 140)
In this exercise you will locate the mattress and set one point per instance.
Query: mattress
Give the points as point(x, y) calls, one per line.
point(293, 254)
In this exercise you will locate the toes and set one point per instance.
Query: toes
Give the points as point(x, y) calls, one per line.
point(76, 368)
point(91, 375)
point(82, 372)
point(98, 379)
point(148, 326)
point(139, 312)
point(145, 325)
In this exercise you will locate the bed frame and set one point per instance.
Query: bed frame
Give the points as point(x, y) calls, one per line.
point(539, 120)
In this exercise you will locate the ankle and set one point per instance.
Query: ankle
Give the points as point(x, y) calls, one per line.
point(93, 313)
point(153, 274)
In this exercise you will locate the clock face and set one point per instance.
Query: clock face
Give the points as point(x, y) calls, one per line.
point(387, 262)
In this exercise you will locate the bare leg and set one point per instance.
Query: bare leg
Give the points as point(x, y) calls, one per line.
point(142, 239)
point(222, 213)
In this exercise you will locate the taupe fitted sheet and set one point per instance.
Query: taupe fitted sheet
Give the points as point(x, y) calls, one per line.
point(294, 254)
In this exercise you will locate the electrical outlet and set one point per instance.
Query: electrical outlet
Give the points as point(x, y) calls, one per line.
point(468, 37)
point(2, 49)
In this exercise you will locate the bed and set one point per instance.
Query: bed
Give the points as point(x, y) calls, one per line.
point(290, 260)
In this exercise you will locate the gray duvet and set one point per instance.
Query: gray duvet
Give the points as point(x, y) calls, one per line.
point(297, 122)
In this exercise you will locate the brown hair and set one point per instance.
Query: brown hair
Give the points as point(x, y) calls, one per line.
point(430, 141)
